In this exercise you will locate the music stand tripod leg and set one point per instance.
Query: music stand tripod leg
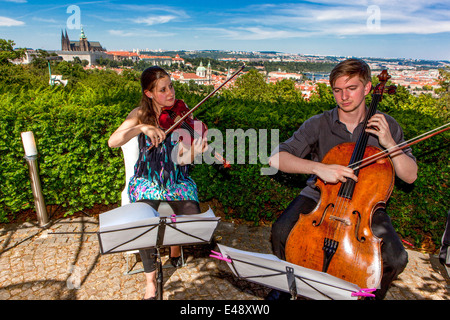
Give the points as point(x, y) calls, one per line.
point(159, 242)
point(159, 279)
point(291, 283)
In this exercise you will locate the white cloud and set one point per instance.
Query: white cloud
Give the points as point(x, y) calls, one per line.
point(139, 33)
point(8, 22)
point(121, 33)
point(44, 20)
point(152, 20)
point(252, 33)
point(159, 14)
point(325, 17)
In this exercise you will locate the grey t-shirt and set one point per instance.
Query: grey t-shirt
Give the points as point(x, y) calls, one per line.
point(320, 133)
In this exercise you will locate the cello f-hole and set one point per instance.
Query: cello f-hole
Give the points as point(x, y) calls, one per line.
point(314, 223)
point(362, 239)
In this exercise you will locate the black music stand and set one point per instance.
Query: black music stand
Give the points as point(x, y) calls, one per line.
point(138, 226)
point(270, 271)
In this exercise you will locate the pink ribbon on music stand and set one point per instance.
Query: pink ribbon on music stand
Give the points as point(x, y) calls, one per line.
point(219, 256)
point(364, 293)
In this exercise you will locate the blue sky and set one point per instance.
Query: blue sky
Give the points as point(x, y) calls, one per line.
point(363, 28)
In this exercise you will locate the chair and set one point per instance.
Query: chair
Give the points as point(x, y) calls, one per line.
point(130, 152)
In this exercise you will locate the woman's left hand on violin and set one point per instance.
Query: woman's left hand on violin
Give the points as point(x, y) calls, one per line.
point(187, 153)
point(377, 125)
point(199, 146)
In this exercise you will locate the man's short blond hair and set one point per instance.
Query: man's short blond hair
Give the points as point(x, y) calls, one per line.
point(351, 68)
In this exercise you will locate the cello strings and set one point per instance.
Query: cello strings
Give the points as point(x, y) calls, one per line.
point(360, 147)
point(345, 197)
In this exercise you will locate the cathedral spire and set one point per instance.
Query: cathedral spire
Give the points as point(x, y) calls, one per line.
point(65, 42)
point(82, 35)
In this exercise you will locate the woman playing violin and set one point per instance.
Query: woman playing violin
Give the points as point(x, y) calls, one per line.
point(158, 176)
point(303, 152)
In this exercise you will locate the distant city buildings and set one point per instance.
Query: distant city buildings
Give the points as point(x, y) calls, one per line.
point(416, 79)
point(202, 75)
point(411, 74)
point(123, 55)
point(279, 75)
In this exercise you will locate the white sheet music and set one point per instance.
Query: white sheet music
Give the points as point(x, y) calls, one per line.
point(136, 225)
point(270, 271)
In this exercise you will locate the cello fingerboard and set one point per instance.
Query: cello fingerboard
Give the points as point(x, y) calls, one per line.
point(348, 187)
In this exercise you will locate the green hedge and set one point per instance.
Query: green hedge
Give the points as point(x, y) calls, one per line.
point(78, 170)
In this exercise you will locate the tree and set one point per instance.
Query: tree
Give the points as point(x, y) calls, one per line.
point(7, 52)
point(285, 90)
point(251, 86)
point(445, 79)
point(323, 94)
point(445, 92)
point(40, 59)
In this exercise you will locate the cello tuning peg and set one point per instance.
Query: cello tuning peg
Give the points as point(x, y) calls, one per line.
point(391, 89)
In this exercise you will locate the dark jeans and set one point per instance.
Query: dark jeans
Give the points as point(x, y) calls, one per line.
point(394, 255)
point(148, 256)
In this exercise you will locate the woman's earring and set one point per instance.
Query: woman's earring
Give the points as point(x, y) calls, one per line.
point(148, 94)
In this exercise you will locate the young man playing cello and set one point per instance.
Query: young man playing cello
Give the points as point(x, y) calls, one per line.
point(351, 82)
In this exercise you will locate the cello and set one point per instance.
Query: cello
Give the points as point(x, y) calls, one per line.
point(336, 237)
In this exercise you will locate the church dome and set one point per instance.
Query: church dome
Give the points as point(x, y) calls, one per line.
point(201, 70)
point(201, 67)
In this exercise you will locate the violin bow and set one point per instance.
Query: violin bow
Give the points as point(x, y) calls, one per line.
point(201, 102)
point(401, 146)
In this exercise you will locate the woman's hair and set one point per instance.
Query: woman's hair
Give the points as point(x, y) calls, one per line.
point(351, 68)
point(149, 77)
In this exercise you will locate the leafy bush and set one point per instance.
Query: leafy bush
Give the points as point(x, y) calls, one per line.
point(71, 126)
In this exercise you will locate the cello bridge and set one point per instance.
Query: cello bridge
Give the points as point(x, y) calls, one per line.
point(344, 221)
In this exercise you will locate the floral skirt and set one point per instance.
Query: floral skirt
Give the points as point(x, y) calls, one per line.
point(140, 188)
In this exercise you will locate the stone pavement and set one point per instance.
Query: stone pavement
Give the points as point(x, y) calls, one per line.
point(63, 262)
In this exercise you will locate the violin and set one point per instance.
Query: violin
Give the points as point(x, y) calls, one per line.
point(336, 237)
point(170, 115)
point(197, 129)
point(179, 116)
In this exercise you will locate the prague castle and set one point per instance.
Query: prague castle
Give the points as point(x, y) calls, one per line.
point(83, 49)
point(82, 45)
